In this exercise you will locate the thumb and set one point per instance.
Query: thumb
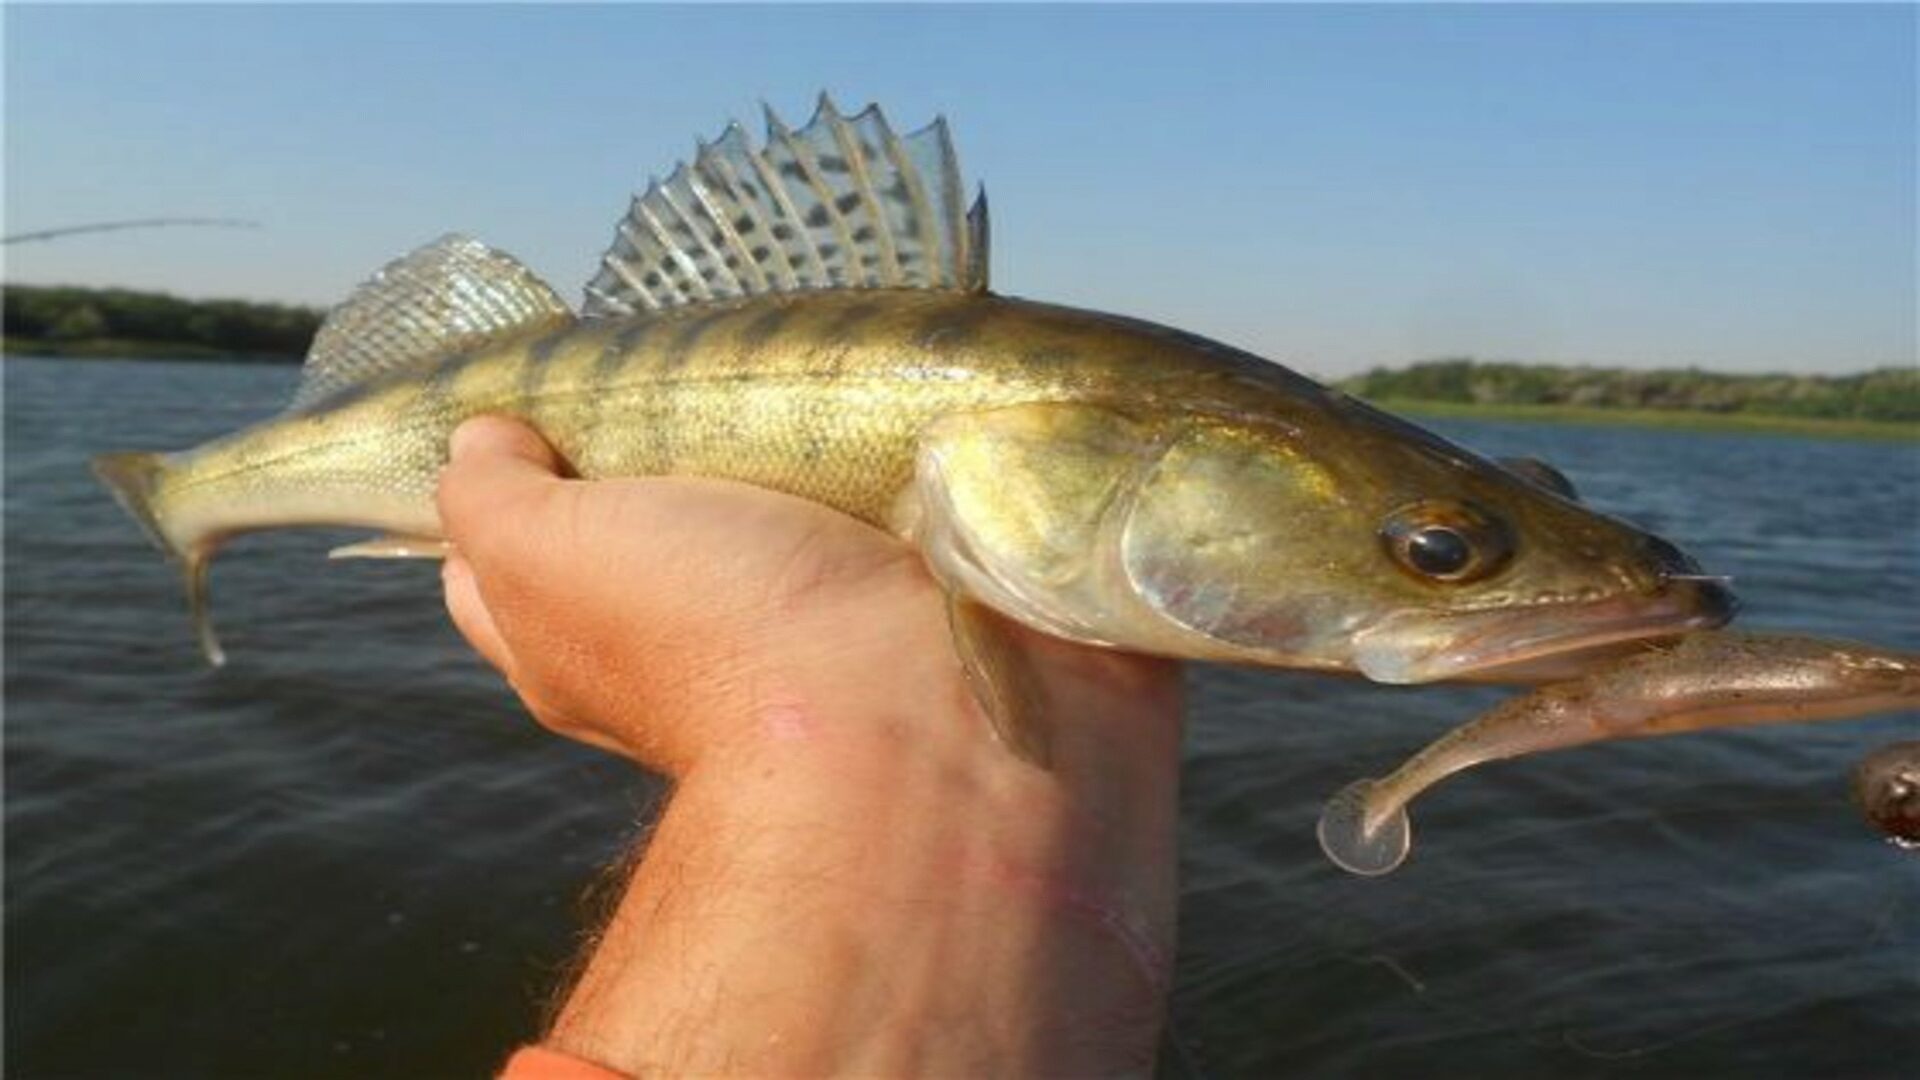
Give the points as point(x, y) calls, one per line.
point(501, 474)
point(510, 513)
point(501, 497)
point(504, 442)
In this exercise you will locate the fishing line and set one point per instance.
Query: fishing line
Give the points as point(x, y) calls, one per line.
point(137, 223)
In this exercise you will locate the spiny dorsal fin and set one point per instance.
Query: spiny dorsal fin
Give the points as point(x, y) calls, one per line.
point(450, 295)
point(979, 243)
point(842, 203)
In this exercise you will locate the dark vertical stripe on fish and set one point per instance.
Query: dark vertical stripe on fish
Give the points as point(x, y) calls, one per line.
point(436, 391)
point(839, 335)
point(535, 361)
point(850, 319)
point(687, 341)
point(763, 327)
point(621, 350)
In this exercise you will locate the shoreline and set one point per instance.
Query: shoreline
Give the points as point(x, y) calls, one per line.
point(1678, 419)
point(134, 349)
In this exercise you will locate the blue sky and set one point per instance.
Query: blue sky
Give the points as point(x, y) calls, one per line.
point(1333, 187)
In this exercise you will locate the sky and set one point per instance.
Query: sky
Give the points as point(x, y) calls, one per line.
point(1334, 187)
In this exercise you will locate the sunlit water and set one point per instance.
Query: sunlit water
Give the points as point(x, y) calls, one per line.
point(348, 853)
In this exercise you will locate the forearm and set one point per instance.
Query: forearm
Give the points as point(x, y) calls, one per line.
point(922, 905)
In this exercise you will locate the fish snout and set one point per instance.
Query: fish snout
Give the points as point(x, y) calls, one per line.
point(1709, 597)
point(1668, 559)
point(1713, 604)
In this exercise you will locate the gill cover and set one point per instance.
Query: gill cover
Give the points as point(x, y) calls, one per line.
point(1013, 509)
point(1016, 507)
point(1204, 547)
point(1115, 530)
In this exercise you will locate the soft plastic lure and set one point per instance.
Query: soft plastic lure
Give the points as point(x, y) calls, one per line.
point(1708, 680)
point(1886, 784)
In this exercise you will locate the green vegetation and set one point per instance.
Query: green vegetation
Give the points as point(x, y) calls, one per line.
point(1683, 419)
point(1886, 395)
point(64, 321)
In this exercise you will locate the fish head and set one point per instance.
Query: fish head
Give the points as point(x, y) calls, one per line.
point(1350, 540)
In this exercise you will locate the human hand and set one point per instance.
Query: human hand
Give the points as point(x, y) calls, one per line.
point(881, 886)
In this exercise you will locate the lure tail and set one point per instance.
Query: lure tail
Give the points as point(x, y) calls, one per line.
point(134, 477)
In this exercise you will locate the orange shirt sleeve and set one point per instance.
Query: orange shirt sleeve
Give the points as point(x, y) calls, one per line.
point(540, 1063)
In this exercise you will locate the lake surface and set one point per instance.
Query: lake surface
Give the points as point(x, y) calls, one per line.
point(348, 853)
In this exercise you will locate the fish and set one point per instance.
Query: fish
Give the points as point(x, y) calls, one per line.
point(1707, 680)
point(813, 315)
point(1886, 787)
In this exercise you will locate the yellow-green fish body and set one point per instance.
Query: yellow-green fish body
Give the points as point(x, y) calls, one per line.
point(813, 317)
point(821, 395)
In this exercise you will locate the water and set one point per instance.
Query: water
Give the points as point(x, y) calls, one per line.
point(348, 854)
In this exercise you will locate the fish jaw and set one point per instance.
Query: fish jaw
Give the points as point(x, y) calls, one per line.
point(1420, 647)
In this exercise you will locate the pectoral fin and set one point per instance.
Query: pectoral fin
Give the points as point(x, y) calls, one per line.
point(1003, 679)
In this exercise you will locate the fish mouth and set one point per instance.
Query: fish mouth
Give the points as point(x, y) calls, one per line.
point(1537, 642)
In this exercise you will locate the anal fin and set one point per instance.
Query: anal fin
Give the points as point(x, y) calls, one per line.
point(1002, 677)
point(393, 546)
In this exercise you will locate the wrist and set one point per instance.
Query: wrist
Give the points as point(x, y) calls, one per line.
point(882, 904)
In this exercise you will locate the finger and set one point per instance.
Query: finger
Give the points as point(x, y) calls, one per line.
point(519, 590)
point(475, 622)
point(470, 614)
point(504, 439)
point(500, 476)
point(543, 548)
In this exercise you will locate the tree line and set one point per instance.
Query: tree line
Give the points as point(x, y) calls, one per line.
point(1886, 394)
point(64, 316)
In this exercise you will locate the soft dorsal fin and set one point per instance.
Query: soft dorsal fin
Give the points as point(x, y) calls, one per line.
point(841, 203)
point(450, 295)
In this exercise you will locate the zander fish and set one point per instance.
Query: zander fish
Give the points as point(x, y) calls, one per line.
point(814, 317)
point(1708, 680)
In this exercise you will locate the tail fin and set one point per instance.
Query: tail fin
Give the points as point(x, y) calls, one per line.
point(133, 477)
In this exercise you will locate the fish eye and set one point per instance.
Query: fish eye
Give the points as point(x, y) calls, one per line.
point(1440, 540)
point(1438, 551)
